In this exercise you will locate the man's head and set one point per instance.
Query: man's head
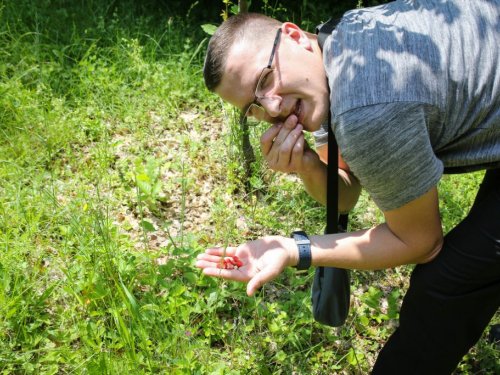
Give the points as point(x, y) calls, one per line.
point(242, 27)
point(239, 51)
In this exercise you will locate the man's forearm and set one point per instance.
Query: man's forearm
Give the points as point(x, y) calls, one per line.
point(412, 234)
point(315, 182)
point(349, 187)
point(370, 249)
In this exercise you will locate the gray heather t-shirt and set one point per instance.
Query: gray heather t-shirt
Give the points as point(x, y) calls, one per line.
point(415, 91)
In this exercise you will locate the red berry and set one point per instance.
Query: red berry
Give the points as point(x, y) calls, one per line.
point(239, 263)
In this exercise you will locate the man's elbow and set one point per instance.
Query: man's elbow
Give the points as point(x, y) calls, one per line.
point(431, 251)
point(346, 207)
point(350, 190)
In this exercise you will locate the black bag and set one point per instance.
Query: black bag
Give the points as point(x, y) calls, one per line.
point(331, 294)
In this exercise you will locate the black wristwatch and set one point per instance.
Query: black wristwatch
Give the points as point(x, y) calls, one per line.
point(304, 246)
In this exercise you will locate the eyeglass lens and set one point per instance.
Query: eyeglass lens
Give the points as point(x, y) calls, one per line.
point(264, 88)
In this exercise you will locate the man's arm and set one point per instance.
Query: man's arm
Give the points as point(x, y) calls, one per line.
point(412, 234)
point(323, 153)
point(286, 150)
point(349, 186)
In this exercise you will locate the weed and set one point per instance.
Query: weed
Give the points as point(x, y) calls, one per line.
point(117, 168)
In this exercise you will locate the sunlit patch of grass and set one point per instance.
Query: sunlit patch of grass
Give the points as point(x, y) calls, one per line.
point(97, 269)
point(457, 193)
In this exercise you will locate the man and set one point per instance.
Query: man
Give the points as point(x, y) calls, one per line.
point(414, 92)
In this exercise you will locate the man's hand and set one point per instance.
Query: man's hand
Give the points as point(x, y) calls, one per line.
point(263, 260)
point(285, 148)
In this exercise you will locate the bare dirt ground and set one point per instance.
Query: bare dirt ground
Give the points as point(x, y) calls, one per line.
point(189, 210)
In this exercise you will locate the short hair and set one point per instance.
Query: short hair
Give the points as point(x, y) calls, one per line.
point(243, 26)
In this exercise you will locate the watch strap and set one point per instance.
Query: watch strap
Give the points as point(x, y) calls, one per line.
point(304, 246)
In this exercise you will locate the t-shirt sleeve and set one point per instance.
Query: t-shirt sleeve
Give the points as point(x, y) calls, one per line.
point(387, 147)
point(321, 135)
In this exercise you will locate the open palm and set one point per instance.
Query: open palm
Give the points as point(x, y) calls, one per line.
point(263, 260)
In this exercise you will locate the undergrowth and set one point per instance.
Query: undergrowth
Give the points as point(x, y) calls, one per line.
point(117, 168)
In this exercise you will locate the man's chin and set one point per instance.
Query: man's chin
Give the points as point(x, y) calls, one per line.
point(316, 125)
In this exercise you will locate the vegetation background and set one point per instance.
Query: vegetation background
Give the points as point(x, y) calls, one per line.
point(117, 168)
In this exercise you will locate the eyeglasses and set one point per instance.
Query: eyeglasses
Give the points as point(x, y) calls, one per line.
point(265, 88)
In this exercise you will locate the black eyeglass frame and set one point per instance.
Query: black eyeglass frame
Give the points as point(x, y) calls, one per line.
point(256, 98)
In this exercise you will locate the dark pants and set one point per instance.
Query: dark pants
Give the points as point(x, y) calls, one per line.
point(451, 299)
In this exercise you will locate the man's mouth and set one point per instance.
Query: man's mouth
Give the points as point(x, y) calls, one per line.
point(298, 108)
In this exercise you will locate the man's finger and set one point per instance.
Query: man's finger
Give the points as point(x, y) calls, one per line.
point(289, 124)
point(211, 258)
point(284, 161)
point(201, 263)
point(290, 142)
point(227, 274)
point(229, 251)
point(297, 159)
point(267, 138)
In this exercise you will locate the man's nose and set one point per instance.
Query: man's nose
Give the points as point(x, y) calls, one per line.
point(271, 104)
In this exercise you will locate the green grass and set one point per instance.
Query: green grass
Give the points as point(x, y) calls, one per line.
point(117, 168)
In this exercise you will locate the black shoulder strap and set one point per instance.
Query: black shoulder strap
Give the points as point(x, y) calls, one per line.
point(333, 221)
point(325, 29)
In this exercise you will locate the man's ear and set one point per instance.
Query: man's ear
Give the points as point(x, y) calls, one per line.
point(297, 35)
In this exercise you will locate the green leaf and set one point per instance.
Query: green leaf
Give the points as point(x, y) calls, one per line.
point(45, 295)
point(209, 29)
point(132, 301)
point(156, 188)
point(166, 269)
point(152, 205)
point(177, 290)
point(152, 168)
point(392, 300)
point(392, 312)
point(212, 298)
point(351, 357)
point(146, 225)
point(165, 167)
point(364, 320)
point(125, 332)
point(143, 177)
point(139, 167)
point(144, 186)
point(218, 368)
point(89, 341)
point(393, 296)
point(372, 298)
point(281, 356)
point(376, 293)
point(263, 370)
point(163, 283)
point(191, 277)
